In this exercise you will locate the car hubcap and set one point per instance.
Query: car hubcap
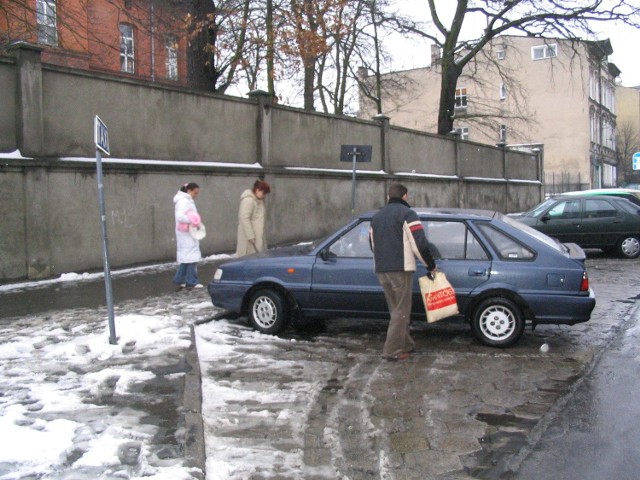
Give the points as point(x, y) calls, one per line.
point(497, 323)
point(630, 246)
point(264, 312)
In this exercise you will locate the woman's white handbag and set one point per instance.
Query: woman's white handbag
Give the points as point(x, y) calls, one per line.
point(197, 232)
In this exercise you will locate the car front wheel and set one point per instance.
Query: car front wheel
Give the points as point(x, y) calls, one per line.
point(268, 312)
point(629, 246)
point(497, 322)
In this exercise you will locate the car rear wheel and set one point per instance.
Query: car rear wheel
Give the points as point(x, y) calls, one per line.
point(629, 246)
point(268, 312)
point(497, 322)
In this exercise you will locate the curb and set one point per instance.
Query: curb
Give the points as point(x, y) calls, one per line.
point(192, 409)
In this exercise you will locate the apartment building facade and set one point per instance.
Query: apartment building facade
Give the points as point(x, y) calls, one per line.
point(141, 39)
point(548, 95)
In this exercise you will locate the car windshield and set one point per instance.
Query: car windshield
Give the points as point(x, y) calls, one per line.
point(553, 243)
point(538, 209)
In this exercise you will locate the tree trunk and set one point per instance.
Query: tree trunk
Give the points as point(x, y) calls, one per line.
point(270, 50)
point(309, 58)
point(448, 83)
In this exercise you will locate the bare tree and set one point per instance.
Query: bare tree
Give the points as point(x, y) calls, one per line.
point(347, 42)
point(218, 38)
point(539, 18)
point(627, 143)
point(355, 50)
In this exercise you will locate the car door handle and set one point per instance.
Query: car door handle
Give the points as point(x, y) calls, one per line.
point(477, 272)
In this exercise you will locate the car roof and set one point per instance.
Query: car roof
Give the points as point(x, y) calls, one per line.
point(448, 212)
point(604, 191)
point(564, 196)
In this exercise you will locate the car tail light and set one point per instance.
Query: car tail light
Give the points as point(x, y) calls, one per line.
point(584, 285)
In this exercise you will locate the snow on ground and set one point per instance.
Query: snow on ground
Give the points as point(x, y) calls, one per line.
point(261, 396)
point(68, 396)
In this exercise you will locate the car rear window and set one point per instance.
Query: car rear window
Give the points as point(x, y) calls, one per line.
point(598, 208)
point(533, 232)
point(629, 207)
point(507, 247)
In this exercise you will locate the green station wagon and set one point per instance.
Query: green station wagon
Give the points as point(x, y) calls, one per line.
point(591, 221)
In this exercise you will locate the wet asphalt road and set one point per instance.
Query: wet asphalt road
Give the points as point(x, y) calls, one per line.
point(457, 410)
point(596, 435)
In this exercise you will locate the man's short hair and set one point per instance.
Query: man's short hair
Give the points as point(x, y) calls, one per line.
point(397, 190)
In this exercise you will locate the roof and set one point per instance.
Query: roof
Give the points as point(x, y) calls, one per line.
point(446, 211)
point(602, 191)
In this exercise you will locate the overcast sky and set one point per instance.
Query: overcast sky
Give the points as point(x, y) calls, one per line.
point(624, 40)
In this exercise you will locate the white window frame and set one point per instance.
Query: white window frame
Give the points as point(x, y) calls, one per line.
point(502, 134)
point(609, 175)
point(594, 85)
point(503, 91)
point(501, 54)
point(461, 98)
point(46, 19)
point(127, 48)
point(594, 131)
point(171, 49)
point(463, 132)
point(542, 52)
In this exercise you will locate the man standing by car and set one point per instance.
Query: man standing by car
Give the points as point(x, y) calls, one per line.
point(397, 237)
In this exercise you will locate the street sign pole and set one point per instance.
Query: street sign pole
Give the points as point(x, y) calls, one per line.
point(101, 137)
point(354, 155)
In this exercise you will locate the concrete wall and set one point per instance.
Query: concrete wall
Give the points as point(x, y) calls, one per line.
point(313, 140)
point(142, 120)
point(162, 137)
point(422, 152)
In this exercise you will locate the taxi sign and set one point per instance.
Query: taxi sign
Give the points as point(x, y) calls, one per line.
point(101, 135)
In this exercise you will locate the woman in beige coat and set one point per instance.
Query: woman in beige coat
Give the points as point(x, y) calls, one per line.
point(251, 218)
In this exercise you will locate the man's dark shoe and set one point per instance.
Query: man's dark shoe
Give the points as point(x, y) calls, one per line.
point(398, 357)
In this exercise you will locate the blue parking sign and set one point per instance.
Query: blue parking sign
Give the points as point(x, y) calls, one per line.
point(636, 161)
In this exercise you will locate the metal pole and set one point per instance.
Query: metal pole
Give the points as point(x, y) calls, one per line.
point(105, 252)
point(353, 183)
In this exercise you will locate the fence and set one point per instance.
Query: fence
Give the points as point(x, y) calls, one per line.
point(559, 182)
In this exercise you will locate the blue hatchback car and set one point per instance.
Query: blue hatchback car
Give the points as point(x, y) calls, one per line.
point(504, 273)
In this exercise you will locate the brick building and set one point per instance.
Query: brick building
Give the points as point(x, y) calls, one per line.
point(143, 39)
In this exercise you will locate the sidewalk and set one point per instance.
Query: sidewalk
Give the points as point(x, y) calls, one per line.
point(88, 290)
point(75, 406)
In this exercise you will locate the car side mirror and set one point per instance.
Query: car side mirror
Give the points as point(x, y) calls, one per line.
point(545, 218)
point(325, 254)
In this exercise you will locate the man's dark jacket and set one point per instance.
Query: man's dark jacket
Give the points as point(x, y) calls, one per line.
point(397, 237)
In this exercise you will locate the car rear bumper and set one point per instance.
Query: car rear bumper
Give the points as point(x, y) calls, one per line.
point(562, 309)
